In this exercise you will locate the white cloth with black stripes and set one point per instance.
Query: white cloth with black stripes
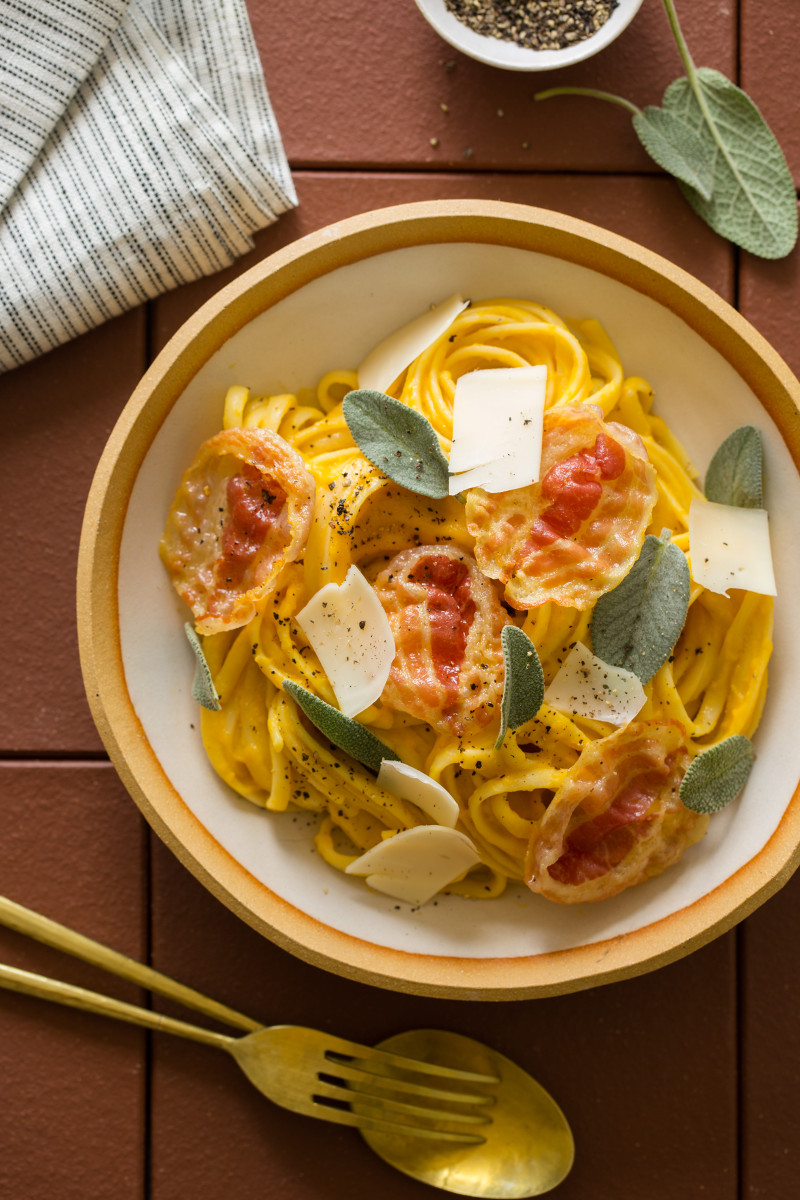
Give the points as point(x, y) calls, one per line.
point(138, 151)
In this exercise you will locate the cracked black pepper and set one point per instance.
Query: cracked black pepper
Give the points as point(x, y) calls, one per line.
point(534, 24)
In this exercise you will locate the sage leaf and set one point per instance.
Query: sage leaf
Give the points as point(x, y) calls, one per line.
point(398, 441)
point(753, 201)
point(735, 474)
point(344, 732)
point(523, 685)
point(718, 775)
point(203, 690)
point(637, 623)
point(676, 147)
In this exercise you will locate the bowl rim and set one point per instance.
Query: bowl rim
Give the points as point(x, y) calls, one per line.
point(495, 52)
point(279, 275)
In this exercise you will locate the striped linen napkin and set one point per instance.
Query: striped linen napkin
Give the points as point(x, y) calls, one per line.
point(138, 151)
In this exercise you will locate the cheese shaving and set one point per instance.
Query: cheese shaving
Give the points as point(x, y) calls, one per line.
point(497, 429)
point(390, 357)
point(730, 548)
point(349, 632)
point(418, 788)
point(415, 864)
point(588, 687)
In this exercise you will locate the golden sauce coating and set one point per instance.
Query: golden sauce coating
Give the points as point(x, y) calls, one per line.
point(242, 511)
point(447, 621)
point(575, 533)
point(617, 818)
point(552, 541)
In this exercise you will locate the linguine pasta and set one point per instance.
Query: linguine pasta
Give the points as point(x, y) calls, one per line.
point(712, 686)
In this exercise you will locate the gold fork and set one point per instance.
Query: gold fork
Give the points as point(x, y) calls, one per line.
point(298, 1068)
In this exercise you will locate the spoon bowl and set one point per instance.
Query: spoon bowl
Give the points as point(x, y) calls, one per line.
point(528, 1147)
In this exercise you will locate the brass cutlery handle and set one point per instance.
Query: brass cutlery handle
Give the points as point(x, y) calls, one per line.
point(24, 920)
point(14, 979)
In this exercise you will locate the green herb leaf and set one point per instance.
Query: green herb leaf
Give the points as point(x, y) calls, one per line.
point(676, 147)
point(718, 775)
point(203, 690)
point(348, 735)
point(638, 622)
point(523, 686)
point(398, 441)
point(753, 201)
point(735, 474)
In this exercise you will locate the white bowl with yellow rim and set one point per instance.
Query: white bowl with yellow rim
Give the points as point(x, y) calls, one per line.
point(322, 303)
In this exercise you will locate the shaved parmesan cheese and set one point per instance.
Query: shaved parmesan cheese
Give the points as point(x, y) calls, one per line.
point(587, 687)
point(729, 547)
point(418, 788)
point(417, 863)
point(391, 356)
point(497, 429)
point(350, 634)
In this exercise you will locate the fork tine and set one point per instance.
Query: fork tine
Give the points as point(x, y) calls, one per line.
point(360, 1121)
point(382, 1062)
point(370, 1104)
point(355, 1073)
point(329, 1102)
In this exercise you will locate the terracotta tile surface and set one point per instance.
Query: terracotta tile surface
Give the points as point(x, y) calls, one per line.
point(72, 1103)
point(57, 414)
point(770, 291)
point(678, 1084)
point(362, 83)
point(770, 1047)
point(674, 1080)
point(769, 55)
point(769, 296)
point(646, 209)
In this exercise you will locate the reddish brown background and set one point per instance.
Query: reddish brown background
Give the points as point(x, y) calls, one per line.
point(678, 1084)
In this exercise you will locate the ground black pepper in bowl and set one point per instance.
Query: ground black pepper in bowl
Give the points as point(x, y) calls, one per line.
point(534, 24)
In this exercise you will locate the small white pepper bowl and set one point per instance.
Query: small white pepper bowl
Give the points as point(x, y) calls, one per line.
point(508, 55)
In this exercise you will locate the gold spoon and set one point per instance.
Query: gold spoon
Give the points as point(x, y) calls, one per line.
point(528, 1147)
point(525, 1150)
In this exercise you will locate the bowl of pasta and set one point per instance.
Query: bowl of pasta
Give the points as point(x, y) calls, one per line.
point(428, 590)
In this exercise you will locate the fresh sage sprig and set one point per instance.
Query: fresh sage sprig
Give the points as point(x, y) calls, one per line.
point(718, 775)
point(398, 441)
point(523, 684)
point(637, 623)
point(735, 474)
point(348, 735)
point(712, 138)
point(203, 690)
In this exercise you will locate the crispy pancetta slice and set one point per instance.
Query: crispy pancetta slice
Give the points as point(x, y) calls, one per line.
point(575, 533)
point(447, 622)
point(242, 511)
point(617, 818)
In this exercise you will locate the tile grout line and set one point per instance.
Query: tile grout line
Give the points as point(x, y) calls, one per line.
point(452, 170)
point(149, 334)
point(52, 758)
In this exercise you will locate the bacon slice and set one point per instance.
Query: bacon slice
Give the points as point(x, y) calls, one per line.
point(242, 511)
point(447, 622)
point(573, 535)
point(617, 818)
